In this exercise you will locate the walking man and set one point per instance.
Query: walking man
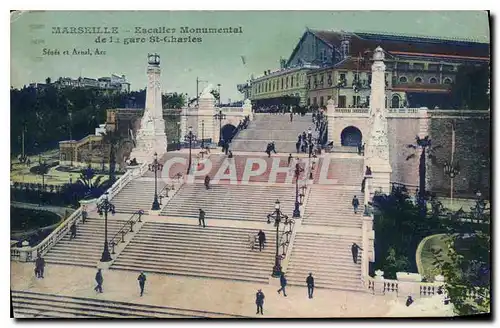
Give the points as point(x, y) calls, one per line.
point(291, 116)
point(262, 239)
point(201, 218)
point(355, 204)
point(310, 285)
point(207, 182)
point(84, 213)
point(142, 281)
point(73, 231)
point(282, 283)
point(354, 251)
point(39, 266)
point(99, 280)
point(259, 300)
point(289, 159)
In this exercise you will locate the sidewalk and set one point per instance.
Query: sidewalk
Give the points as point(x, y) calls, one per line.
point(195, 293)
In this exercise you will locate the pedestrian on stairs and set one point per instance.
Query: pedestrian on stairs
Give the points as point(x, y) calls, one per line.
point(310, 285)
point(142, 281)
point(354, 251)
point(291, 116)
point(282, 283)
point(355, 204)
point(201, 218)
point(73, 231)
point(207, 182)
point(84, 213)
point(289, 159)
point(99, 280)
point(262, 239)
point(297, 146)
point(259, 300)
point(39, 266)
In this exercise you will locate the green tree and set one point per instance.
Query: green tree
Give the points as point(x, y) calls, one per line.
point(470, 89)
point(422, 145)
point(173, 100)
point(91, 183)
point(468, 272)
point(216, 94)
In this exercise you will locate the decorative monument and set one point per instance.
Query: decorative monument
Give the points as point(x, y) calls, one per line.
point(151, 137)
point(377, 146)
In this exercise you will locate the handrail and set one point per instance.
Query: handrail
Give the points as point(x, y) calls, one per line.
point(49, 241)
point(136, 217)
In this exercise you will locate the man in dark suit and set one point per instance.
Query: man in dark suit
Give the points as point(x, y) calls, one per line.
point(354, 251)
point(99, 280)
point(259, 300)
point(310, 285)
point(283, 284)
point(262, 239)
point(201, 218)
point(142, 281)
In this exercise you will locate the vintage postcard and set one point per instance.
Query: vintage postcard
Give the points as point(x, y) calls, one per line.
point(250, 164)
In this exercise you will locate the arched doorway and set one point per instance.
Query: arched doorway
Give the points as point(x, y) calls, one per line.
point(227, 132)
point(351, 136)
point(395, 101)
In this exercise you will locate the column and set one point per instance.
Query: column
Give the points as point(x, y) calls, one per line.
point(330, 112)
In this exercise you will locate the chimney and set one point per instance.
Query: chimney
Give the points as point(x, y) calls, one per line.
point(265, 72)
point(268, 71)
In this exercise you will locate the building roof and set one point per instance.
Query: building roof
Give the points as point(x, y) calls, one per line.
point(399, 44)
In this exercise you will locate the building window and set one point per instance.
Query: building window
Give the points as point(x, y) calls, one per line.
point(321, 101)
point(355, 101)
point(433, 67)
point(418, 79)
point(291, 81)
point(329, 79)
point(297, 79)
point(448, 68)
point(281, 83)
point(286, 83)
point(447, 81)
point(403, 79)
point(356, 77)
point(433, 80)
point(315, 101)
point(418, 66)
point(308, 101)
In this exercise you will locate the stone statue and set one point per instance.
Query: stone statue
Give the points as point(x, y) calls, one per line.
point(207, 90)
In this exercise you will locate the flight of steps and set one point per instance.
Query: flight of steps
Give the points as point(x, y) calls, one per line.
point(191, 250)
point(137, 195)
point(328, 206)
point(225, 201)
point(328, 258)
point(86, 249)
point(41, 305)
point(344, 171)
point(247, 163)
point(268, 127)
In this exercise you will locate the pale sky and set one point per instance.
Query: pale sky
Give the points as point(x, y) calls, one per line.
point(266, 36)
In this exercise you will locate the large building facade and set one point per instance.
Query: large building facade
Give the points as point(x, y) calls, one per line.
point(333, 64)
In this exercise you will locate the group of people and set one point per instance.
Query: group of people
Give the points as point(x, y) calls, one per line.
point(271, 147)
point(305, 143)
point(259, 296)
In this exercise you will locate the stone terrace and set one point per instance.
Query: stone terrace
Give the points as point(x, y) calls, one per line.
point(235, 202)
point(211, 252)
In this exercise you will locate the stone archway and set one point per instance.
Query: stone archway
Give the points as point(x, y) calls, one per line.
point(351, 136)
point(227, 131)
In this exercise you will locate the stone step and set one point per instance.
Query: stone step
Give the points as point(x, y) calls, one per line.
point(64, 306)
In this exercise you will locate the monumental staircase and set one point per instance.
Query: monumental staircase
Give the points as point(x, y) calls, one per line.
point(42, 305)
point(340, 171)
point(228, 201)
point(191, 250)
point(268, 127)
point(86, 248)
point(328, 257)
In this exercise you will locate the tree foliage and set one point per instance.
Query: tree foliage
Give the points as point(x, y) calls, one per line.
point(91, 183)
point(470, 87)
point(50, 114)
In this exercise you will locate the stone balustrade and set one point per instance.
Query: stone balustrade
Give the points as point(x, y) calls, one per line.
point(391, 112)
point(27, 253)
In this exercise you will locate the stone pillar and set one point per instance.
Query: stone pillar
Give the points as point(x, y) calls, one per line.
point(23, 253)
point(247, 109)
point(408, 284)
point(151, 137)
point(330, 112)
point(206, 111)
point(377, 146)
point(378, 284)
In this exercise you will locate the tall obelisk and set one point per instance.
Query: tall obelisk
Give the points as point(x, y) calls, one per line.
point(151, 136)
point(377, 145)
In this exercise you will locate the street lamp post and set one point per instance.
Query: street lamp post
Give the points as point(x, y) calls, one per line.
point(105, 207)
point(219, 116)
point(218, 91)
point(277, 215)
point(202, 134)
point(298, 170)
point(451, 170)
point(190, 136)
point(179, 135)
point(155, 167)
